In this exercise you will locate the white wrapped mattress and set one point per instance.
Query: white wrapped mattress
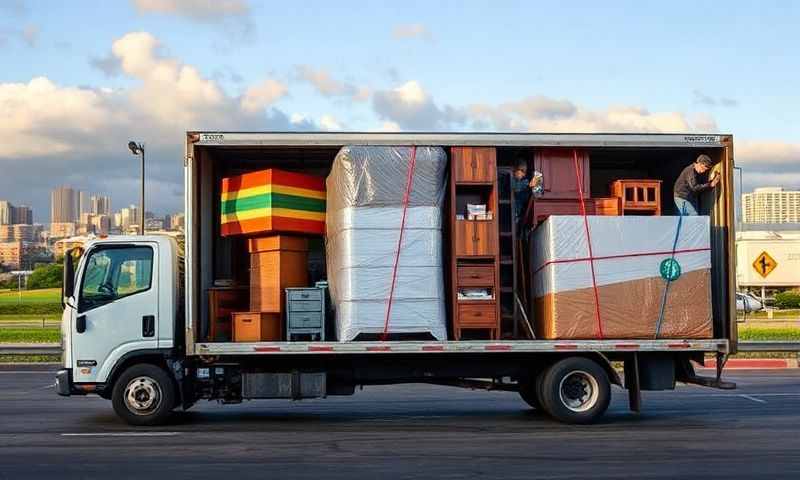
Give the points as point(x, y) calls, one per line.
point(365, 191)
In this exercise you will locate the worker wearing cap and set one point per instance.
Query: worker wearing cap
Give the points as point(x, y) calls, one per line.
point(693, 181)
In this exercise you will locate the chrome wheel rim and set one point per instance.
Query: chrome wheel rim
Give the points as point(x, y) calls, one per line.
point(578, 391)
point(143, 395)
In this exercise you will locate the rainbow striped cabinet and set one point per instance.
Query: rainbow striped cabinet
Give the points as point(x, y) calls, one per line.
point(272, 200)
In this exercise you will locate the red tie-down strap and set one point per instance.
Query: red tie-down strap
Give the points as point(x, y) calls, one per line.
point(406, 197)
point(579, 181)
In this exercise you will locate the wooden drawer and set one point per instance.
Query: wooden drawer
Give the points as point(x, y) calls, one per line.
point(304, 294)
point(475, 276)
point(304, 319)
point(474, 165)
point(482, 315)
point(256, 327)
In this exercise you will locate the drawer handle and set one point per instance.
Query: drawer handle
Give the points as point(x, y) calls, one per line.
point(247, 320)
point(475, 275)
point(304, 295)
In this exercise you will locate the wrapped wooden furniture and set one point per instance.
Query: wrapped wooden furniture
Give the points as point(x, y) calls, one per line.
point(636, 287)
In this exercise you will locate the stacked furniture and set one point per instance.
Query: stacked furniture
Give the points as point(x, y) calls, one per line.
point(379, 286)
point(475, 262)
point(277, 210)
point(560, 195)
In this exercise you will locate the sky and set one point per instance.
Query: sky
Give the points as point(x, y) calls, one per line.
point(79, 79)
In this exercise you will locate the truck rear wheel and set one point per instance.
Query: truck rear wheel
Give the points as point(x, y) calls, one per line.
point(144, 395)
point(530, 389)
point(575, 390)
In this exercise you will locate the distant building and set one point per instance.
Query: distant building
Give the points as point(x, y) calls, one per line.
point(84, 203)
point(6, 214)
point(62, 229)
point(177, 221)
point(771, 205)
point(22, 215)
point(64, 205)
point(101, 205)
point(61, 246)
point(16, 255)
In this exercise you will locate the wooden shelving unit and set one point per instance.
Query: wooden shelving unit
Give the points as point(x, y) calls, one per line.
point(638, 196)
point(475, 262)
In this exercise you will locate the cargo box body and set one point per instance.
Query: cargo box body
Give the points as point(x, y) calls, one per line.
point(705, 288)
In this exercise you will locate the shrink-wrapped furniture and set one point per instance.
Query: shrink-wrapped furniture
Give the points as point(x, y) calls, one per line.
point(366, 200)
point(648, 284)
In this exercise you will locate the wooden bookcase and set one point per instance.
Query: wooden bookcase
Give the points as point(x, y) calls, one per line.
point(475, 259)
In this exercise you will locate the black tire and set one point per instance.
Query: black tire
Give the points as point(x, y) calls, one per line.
point(575, 390)
point(530, 390)
point(144, 395)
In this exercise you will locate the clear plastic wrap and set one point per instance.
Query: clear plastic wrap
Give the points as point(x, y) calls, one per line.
point(365, 208)
point(628, 253)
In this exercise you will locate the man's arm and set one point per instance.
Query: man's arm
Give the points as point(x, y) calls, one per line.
point(698, 187)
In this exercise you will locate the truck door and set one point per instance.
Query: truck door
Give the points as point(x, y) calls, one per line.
point(117, 308)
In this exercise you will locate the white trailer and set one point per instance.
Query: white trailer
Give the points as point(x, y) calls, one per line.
point(143, 343)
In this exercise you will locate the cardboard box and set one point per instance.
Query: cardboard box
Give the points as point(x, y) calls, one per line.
point(276, 263)
point(272, 201)
point(629, 253)
point(257, 327)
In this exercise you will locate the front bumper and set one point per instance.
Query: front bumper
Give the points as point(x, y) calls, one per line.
point(64, 382)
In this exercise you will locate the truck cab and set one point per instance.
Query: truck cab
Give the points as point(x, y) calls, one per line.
point(120, 308)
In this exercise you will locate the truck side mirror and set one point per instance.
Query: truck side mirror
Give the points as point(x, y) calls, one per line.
point(68, 281)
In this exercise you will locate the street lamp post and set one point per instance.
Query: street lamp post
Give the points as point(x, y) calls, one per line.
point(138, 149)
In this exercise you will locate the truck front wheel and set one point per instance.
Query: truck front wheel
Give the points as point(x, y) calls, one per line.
point(144, 395)
point(575, 390)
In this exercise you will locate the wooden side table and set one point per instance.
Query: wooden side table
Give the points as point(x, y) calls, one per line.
point(638, 196)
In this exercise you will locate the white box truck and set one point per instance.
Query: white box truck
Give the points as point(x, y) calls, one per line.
point(136, 317)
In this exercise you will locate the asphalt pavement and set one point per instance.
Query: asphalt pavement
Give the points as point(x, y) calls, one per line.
point(408, 431)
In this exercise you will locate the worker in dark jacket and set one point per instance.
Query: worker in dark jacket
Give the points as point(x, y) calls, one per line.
point(691, 183)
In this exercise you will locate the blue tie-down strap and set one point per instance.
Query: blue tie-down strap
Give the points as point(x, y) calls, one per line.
point(670, 270)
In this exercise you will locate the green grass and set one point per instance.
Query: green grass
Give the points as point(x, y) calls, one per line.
point(759, 333)
point(30, 335)
point(795, 314)
point(45, 295)
point(30, 358)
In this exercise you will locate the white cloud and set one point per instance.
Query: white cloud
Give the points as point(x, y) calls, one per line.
point(767, 156)
point(258, 97)
point(200, 10)
point(412, 108)
point(27, 35)
point(330, 123)
point(232, 17)
point(411, 30)
point(328, 86)
point(63, 134)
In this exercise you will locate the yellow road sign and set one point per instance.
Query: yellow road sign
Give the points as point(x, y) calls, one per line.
point(764, 264)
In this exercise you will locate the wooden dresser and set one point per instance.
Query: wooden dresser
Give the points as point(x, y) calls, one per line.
point(475, 261)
